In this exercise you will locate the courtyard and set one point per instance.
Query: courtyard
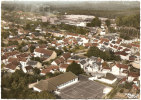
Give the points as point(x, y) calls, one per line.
point(84, 89)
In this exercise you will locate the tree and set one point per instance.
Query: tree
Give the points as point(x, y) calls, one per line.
point(45, 95)
point(36, 71)
point(32, 48)
point(36, 59)
point(95, 22)
point(12, 43)
point(107, 55)
point(108, 22)
point(75, 68)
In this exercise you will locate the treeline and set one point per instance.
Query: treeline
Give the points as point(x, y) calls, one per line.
point(73, 29)
point(96, 22)
point(129, 33)
point(100, 13)
point(130, 21)
point(107, 55)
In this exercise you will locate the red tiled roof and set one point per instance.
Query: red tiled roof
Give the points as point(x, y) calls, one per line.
point(11, 66)
point(70, 61)
point(131, 58)
point(123, 53)
point(136, 87)
point(104, 40)
point(115, 46)
point(48, 69)
point(119, 48)
point(23, 59)
point(42, 46)
point(11, 53)
point(122, 66)
point(135, 45)
point(41, 50)
point(123, 80)
point(135, 79)
point(134, 74)
point(23, 55)
point(111, 45)
point(28, 67)
point(4, 57)
point(12, 59)
point(66, 55)
point(64, 65)
point(88, 44)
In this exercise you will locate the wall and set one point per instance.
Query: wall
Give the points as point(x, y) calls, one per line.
point(107, 81)
point(36, 89)
point(68, 83)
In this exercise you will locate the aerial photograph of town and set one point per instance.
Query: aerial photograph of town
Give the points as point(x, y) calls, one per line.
point(76, 49)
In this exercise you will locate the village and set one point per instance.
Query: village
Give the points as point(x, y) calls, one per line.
point(52, 52)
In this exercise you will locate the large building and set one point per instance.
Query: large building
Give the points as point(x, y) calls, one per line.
point(56, 83)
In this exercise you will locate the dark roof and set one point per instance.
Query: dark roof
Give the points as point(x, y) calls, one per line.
point(52, 83)
point(105, 43)
point(83, 62)
point(77, 57)
point(113, 42)
point(36, 33)
point(28, 67)
point(93, 58)
point(110, 76)
point(31, 63)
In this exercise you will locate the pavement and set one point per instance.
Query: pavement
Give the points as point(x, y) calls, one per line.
point(84, 89)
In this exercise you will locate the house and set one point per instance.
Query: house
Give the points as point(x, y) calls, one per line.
point(105, 68)
point(63, 67)
point(56, 83)
point(23, 61)
point(27, 69)
point(12, 67)
point(123, 55)
point(83, 64)
point(119, 69)
point(132, 76)
point(48, 54)
point(50, 69)
point(12, 59)
point(58, 61)
point(34, 64)
point(108, 78)
point(4, 59)
point(94, 64)
point(123, 80)
point(66, 56)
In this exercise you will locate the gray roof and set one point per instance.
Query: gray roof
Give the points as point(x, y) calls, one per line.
point(31, 63)
point(113, 42)
point(83, 62)
point(110, 76)
point(105, 43)
point(52, 83)
point(93, 58)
